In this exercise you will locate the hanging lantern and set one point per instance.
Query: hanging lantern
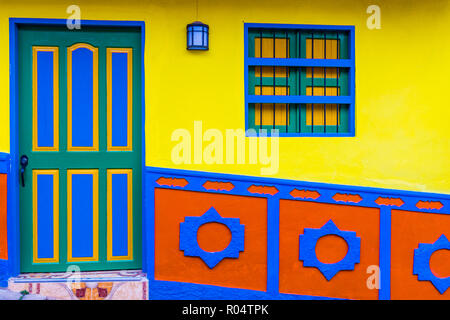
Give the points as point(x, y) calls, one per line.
point(197, 36)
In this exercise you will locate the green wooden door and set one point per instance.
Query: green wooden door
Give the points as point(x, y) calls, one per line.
point(80, 128)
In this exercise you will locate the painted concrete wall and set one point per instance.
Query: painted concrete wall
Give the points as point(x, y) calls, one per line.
point(401, 76)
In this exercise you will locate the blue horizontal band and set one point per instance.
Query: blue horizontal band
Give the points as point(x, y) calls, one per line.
point(297, 134)
point(296, 62)
point(299, 26)
point(299, 99)
point(63, 22)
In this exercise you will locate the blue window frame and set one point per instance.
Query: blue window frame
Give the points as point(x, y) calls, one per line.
point(300, 80)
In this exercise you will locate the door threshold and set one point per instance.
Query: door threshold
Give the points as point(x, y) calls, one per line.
point(83, 276)
point(85, 285)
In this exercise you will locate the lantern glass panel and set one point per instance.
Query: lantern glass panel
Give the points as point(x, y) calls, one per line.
point(198, 36)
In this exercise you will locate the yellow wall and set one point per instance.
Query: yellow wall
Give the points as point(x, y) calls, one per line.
point(402, 80)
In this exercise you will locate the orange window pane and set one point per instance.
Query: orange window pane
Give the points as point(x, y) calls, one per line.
point(267, 48)
point(268, 72)
point(268, 91)
point(319, 53)
point(267, 114)
point(318, 91)
point(319, 50)
point(332, 115)
point(319, 72)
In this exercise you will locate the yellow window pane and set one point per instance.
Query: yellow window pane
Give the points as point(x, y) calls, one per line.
point(268, 72)
point(332, 116)
point(268, 91)
point(267, 114)
point(267, 48)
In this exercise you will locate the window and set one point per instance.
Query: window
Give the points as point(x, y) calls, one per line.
point(300, 79)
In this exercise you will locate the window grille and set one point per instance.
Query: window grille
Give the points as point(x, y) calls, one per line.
point(300, 79)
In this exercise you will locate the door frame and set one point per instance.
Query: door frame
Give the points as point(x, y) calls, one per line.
point(13, 209)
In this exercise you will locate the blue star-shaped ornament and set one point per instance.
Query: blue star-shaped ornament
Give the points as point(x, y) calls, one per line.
point(308, 242)
point(421, 266)
point(189, 244)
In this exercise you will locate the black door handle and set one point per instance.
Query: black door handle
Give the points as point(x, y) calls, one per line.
point(23, 165)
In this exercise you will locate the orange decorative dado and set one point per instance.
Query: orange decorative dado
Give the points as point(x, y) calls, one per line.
point(304, 194)
point(218, 186)
point(3, 226)
point(172, 182)
point(347, 197)
point(429, 205)
point(262, 190)
point(389, 201)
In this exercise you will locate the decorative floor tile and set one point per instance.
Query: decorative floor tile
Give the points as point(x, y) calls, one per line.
point(96, 285)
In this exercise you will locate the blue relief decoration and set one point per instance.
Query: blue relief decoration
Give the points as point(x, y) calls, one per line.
point(4, 273)
point(422, 268)
point(189, 244)
point(308, 242)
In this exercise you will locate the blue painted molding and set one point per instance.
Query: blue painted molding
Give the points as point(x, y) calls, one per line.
point(267, 133)
point(168, 290)
point(13, 177)
point(4, 273)
point(4, 169)
point(298, 99)
point(308, 241)
point(422, 268)
point(189, 244)
point(285, 186)
point(297, 26)
point(5, 163)
point(385, 253)
point(327, 194)
point(301, 62)
point(100, 23)
point(273, 251)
